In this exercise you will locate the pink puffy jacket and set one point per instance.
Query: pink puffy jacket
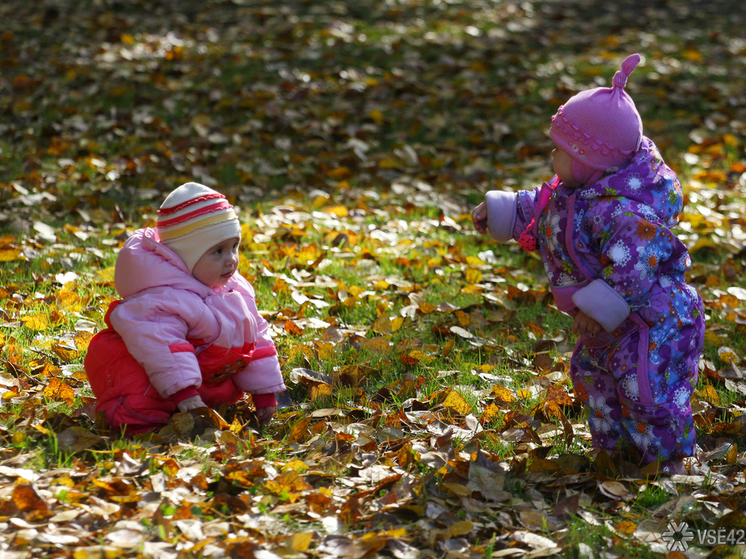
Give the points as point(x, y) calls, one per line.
point(167, 318)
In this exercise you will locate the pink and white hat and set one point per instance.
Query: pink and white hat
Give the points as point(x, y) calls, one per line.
point(599, 128)
point(193, 219)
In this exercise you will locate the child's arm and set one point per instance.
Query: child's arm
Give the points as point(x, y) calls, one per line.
point(631, 251)
point(505, 215)
point(154, 329)
point(262, 376)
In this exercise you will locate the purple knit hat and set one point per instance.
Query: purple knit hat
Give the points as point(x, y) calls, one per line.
point(599, 128)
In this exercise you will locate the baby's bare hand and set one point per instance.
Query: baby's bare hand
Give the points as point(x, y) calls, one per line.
point(479, 217)
point(265, 415)
point(191, 403)
point(584, 324)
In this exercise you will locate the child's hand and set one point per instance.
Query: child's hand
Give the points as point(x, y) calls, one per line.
point(265, 415)
point(584, 324)
point(479, 217)
point(191, 403)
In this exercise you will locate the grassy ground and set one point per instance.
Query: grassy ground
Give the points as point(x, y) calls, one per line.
point(429, 411)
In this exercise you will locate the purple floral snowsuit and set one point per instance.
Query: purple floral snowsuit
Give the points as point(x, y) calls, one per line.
point(608, 251)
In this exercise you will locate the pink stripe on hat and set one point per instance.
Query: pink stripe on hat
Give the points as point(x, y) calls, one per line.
point(196, 213)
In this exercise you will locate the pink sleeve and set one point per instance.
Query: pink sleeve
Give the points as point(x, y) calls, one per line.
point(263, 374)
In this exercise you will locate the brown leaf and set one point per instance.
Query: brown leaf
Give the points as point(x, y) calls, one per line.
point(75, 439)
point(27, 499)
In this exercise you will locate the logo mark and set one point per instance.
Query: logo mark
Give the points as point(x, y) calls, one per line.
point(677, 536)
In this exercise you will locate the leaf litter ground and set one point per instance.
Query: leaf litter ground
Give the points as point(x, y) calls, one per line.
point(429, 412)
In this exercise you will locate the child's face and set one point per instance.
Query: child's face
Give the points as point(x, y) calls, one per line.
point(218, 264)
point(562, 165)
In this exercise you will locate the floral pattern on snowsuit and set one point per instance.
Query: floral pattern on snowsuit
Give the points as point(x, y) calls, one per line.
point(637, 380)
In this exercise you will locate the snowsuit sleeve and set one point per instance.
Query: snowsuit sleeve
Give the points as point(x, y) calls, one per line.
point(263, 374)
point(154, 329)
point(632, 250)
point(509, 213)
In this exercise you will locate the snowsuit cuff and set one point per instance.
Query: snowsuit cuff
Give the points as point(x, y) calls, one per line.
point(182, 395)
point(602, 303)
point(264, 400)
point(501, 214)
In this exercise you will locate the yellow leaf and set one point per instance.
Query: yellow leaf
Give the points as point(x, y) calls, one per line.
point(66, 352)
point(67, 298)
point(712, 337)
point(98, 552)
point(299, 432)
point(35, 321)
point(709, 394)
point(320, 391)
point(456, 402)
point(339, 173)
point(692, 55)
point(474, 261)
point(107, 274)
point(426, 308)
point(57, 390)
point(381, 325)
point(339, 211)
point(459, 529)
point(732, 455)
point(388, 163)
point(396, 323)
point(626, 527)
point(491, 413)
point(377, 345)
point(730, 140)
point(8, 254)
point(376, 116)
point(471, 289)
point(523, 394)
point(325, 350)
point(421, 356)
point(727, 355)
point(82, 339)
point(448, 347)
point(503, 394)
point(296, 465)
point(463, 319)
point(472, 276)
point(300, 542)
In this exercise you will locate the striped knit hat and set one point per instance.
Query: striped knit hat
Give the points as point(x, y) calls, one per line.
point(193, 219)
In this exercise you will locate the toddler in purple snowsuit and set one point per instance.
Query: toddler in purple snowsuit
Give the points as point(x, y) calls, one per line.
point(602, 226)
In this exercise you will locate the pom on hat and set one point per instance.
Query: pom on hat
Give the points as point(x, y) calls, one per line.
point(193, 219)
point(600, 128)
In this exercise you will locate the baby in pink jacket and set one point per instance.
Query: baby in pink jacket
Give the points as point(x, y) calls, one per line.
point(186, 333)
